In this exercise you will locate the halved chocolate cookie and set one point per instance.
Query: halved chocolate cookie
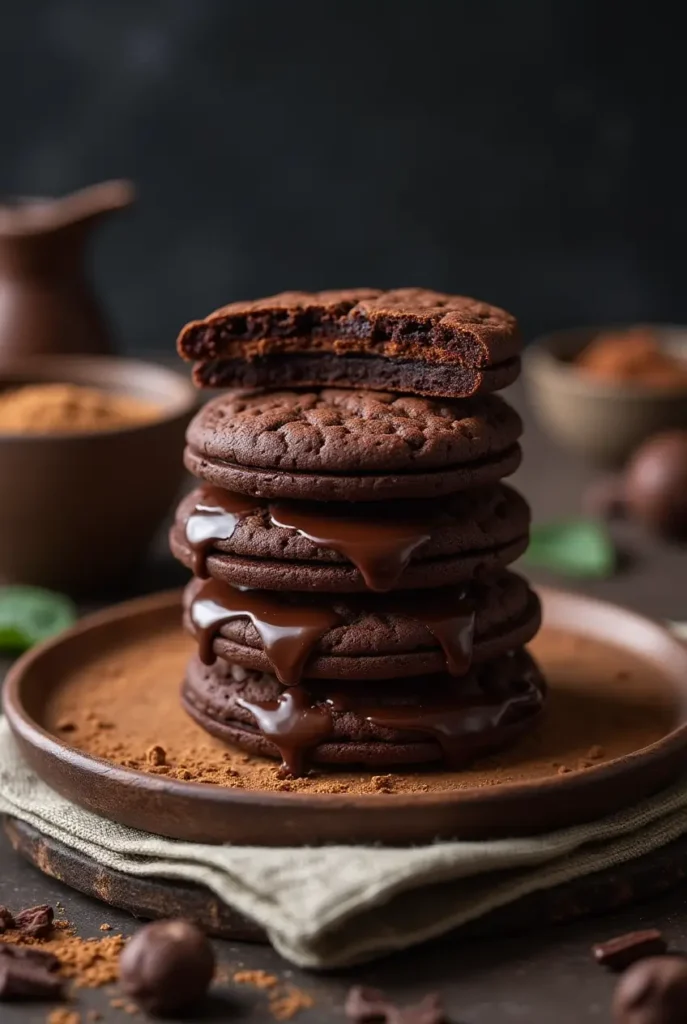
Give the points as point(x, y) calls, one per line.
point(409, 339)
point(371, 636)
point(332, 445)
point(417, 721)
point(344, 547)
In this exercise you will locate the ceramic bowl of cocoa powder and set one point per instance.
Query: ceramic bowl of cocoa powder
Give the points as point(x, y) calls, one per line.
point(601, 391)
point(90, 463)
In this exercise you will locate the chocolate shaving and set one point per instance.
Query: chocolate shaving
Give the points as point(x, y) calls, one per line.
point(26, 979)
point(6, 919)
point(365, 1004)
point(35, 921)
point(619, 953)
point(40, 957)
point(369, 1004)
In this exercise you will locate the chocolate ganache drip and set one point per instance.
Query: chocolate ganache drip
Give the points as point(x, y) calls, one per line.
point(464, 723)
point(288, 631)
point(379, 545)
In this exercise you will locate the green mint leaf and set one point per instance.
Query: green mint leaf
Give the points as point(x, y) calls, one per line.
point(29, 615)
point(581, 548)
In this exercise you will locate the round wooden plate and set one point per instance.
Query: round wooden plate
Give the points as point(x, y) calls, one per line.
point(216, 814)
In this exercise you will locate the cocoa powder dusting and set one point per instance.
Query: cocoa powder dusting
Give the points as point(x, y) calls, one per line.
point(293, 1000)
point(285, 1000)
point(600, 707)
point(89, 963)
point(260, 979)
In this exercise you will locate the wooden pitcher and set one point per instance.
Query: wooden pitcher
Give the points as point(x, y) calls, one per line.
point(47, 304)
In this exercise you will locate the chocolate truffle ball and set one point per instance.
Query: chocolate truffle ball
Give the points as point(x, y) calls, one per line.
point(655, 484)
point(652, 991)
point(167, 967)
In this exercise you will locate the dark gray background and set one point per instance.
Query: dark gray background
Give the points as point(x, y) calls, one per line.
point(530, 152)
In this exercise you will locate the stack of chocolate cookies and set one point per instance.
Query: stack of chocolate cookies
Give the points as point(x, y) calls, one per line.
point(351, 535)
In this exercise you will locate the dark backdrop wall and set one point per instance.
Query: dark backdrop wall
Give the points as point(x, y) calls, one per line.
point(530, 152)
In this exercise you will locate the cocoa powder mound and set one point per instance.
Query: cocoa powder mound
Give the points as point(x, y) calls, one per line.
point(123, 705)
point(634, 356)
point(70, 408)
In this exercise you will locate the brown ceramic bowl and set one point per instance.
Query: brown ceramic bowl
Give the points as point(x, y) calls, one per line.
point(600, 421)
point(79, 510)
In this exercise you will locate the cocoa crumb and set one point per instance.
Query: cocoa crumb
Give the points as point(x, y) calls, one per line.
point(285, 1001)
point(105, 927)
point(156, 755)
point(260, 979)
point(286, 1005)
point(66, 725)
point(131, 1009)
point(64, 1017)
point(118, 1003)
point(595, 752)
point(382, 783)
point(585, 763)
point(563, 769)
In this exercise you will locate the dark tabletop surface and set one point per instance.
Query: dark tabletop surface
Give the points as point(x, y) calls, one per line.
point(535, 978)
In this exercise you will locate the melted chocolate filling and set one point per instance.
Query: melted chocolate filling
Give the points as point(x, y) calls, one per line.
point(290, 629)
point(462, 722)
point(380, 546)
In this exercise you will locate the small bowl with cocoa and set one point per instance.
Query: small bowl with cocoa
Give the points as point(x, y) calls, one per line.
point(600, 392)
point(89, 466)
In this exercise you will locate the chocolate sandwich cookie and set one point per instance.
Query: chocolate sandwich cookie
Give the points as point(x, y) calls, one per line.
point(343, 547)
point(356, 636)
point(417, 721)
point(331, 445)
point(410, 339)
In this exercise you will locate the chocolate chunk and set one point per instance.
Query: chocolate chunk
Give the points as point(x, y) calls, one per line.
point(656, 485)
point(35, 921)
point(364, 1004)
point(6, 919)
point(653, 991)
point(40, 957)
point(167, 967)
point(369, 1004)
point(27, 979)
point(619, 953)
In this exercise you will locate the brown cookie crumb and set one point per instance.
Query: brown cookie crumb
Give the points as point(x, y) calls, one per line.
point(62, 1016)
point(156, 755)
point(260, 979)
point(286, 1005)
